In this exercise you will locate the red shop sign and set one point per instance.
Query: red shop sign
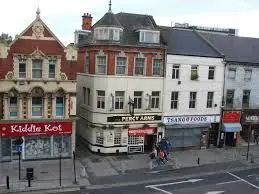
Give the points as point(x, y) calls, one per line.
point(35, 129)
point(231, 116)
point(142, 131)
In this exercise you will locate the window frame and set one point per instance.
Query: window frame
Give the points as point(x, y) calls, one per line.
point(159, 68)
point(13, 107)
point(100, 99)
point(143, 36)
point(155, 99)
point(121, 99)
point(37, 106)
point(99, 137)
point(213, 70)
point(37, 69)
point(250, 77)
point(87, 62)
point(192, 100)
point(138, 99)
point(232, 70)
point(52, 62)
point(210, 99)
point(22, 62)
point(194, 68)
point(174, 99)
point(144, 66)
point(126, 65)
point(246, 105)
point(117, 138)
point(97, 64)
point(176, 71)
point(104, 33)
point(233, 97)
point(60, 106)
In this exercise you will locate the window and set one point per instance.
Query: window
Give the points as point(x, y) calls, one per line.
point(121, 65)
point(246, 98)
point(119, 99)
point(135, 140)
point(13, 107)
point(230, 98)
point(194, 72)
point(248, 74)
point(139, 66)
point(155, 99)
point(174, 100)
point(232, 73)
point(157, 69)
point(52, 69)
point(60, 106)
point(101, 64)
point(36, 69)
point(37, 107)
point(210, 99)
point(211, 72)
point(149, 36)
point(99, 137)
point(101, 99)
point(22, 68)
point(117, 138)
point(84, 95)
point(88, 96)
point(176, 72)
point(87, 64)
point(137, 100)
point(192, 102)
point(107, 33)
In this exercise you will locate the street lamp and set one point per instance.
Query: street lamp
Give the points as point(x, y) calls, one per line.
point(131, 107)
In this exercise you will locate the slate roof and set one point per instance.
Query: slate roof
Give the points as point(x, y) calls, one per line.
point(109, 19)
point(187, 42)
point(235, 48)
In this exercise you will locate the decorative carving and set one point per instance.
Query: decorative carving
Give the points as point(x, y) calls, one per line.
point(9, 75)
point(37, 91)
point(63, 76)
point(101, 53)
point(140, 55)
point(38, 54)
point(122, 54)
point(37, 29)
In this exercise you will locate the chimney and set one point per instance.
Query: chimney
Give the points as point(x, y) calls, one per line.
point(87, 21)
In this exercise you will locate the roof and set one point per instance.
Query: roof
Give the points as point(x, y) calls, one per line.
point(235, 48)
point(187, 42)
point(109, 19)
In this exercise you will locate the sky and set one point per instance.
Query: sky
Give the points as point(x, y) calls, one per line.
point(63, 17)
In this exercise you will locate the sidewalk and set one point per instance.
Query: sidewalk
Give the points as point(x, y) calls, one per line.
point(46, 175)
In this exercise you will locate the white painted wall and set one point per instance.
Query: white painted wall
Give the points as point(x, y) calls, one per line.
point(201, 86)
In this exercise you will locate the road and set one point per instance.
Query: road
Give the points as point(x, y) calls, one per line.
point(234, 182)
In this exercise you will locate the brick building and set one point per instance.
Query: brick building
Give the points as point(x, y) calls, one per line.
point(37, 94)
point(120, 93)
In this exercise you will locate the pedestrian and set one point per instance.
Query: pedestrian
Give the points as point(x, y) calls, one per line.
point(256, 139)
point(161, 156)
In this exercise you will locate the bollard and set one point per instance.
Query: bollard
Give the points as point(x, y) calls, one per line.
point(198, 161)
point(29, 181)
point(7, 182)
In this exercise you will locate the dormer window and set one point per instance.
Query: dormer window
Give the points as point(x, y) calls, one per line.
point(107, 33)
point(147, 36)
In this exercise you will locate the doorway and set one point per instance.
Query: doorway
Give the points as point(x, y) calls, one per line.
point(14, 152)
point(149, 141)
point(230, 141)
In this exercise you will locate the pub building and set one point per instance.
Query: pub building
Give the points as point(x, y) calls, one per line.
point(250, 124)
point(191, 131)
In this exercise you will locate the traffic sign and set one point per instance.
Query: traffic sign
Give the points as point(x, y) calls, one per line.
point(19, 148)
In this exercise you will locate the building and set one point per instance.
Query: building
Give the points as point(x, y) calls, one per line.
point(37, 95)
point(193, 89)
point(120, 93)
point(241, 84)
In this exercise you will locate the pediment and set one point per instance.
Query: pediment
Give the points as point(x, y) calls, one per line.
point(37, 54)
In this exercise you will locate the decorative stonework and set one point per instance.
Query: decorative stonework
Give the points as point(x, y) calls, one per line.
point(4, 50)
point(71, 52)
point(37, 30)
point(37, 54)
point(63, 76)
point(9, 75)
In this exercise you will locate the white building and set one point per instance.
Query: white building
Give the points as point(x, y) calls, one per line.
point(193, 89)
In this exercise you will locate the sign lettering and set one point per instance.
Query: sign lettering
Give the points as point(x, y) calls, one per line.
point(231, 116)
point(191, 119)
point(137, 118)
point(141, 131)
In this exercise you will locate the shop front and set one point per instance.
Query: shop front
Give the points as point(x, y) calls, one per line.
point(231, 128)
point(189, 131)
point(250, 125)
point(41, 140)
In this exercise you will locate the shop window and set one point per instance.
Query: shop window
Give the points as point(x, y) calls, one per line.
point(37, 106)
point(119, 99)
point(6, 148)
point(211, 74)
point(22, 68)
point(139, 66)
point(137, 100)
point(52, 68)
point(176, 72)
point(36, 68)
point(232, 73)
point(230, 98)
point(37, 147)
point(101, 99)
point(135, 140)
point(62, 145)
point(13, 107)
point(246, 98)
point(155, 98)
point(157, 69)
point(99, 138)
point(121, 65)
point(117, 138)
point(192, 102)
point(174, 100)
point(60, 106)
point(210, 96)
point(101, 65)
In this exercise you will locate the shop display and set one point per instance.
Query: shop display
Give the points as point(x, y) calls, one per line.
point(37, 147)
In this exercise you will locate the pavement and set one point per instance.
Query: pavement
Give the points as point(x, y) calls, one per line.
point(97, 170)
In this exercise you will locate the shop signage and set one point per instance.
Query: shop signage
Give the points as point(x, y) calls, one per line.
point(191, 119)
point(137, 118)
point(251, 116)
point(231, 117)
point(35, 129)
point(142, 131)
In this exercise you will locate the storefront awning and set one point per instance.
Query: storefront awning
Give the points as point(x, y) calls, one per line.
point(232, 127)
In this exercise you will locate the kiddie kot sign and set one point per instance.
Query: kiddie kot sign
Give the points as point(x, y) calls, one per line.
point(35, 129)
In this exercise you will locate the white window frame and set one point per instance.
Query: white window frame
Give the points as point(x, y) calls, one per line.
point(211, 69)
point(41, 69)
point(155, 99)
point(143, 36)
point(193, 100)
point(195, 68)
point(234, 72)
point(42, 107)
point(176, 71)
point(174, 99)
point(50, 75)
point(117, 138)
point(160, 68)
point(99, 137)
point(58, 106)
point(104, 33)
point(126, 65)
point(13, 107)
point(246, 105)
point(249, 73)
point(138, 98)
point(100, 99)
point(120, 99)
point(97, 64)
point(22, 61)
point(144, 68)
point(210, 99)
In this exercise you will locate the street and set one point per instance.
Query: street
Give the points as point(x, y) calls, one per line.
point(236, 182)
